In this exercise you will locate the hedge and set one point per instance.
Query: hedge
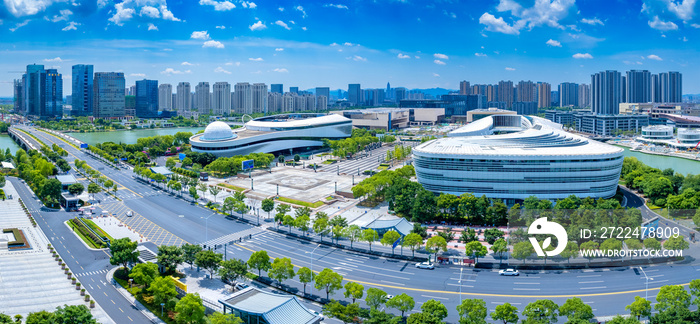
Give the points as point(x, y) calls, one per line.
point(185, 172)
point(19, 238)
point(86, 232)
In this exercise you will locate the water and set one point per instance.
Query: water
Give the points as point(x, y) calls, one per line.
point(6, 141)
point(679, 165)
point(130, 136)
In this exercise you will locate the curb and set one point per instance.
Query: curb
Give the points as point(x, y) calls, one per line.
point(81, 240)
point(132, 300)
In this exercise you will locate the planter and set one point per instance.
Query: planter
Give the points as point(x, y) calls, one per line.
point(63, 265)
point(82, 292)
point(92, 304)
point(69, 275)
point(73, 282)
point(60, 261)
point(66, 271)
point(77, 286)
point(87, 298)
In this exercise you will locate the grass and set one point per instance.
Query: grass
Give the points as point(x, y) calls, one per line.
point(85, 239)
point(659, 210)
point(237, 188)
point(67, 142)
point(329, 161)
point(301, 203)
point(329, 198)
point(97, 229)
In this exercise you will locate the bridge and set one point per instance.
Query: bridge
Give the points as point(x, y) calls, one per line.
point(25, 141)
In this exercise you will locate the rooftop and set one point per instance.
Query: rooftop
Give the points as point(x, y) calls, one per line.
point(275, 308)
point(66, 179)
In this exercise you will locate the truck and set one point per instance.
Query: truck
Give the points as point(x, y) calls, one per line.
point(203, 176)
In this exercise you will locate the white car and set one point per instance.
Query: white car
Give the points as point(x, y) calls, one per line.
point(388, 297)
point(509, 272)
point(425, 265)
point(129, 213)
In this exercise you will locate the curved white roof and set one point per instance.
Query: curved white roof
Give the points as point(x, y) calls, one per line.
point(217, 131)
point(270, 124)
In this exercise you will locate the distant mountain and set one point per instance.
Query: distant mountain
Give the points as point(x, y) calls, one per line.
point(436, 92)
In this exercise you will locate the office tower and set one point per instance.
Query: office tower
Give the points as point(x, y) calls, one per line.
point(388, 90)
point(623, 88)
point(544, 95)
point(33, 94)
point(638, 86)
point(52, 94)
point(81, 97)
point(671, 84)
point(259, 98)
point(606, 92)
point(41, 92)
point(584, 95)
point(173, 101)
point(464, 88)
point(165, 97)
point(505, 93)
point(323, 91)
point(243, 101)
point(202, 93)
point(184, 98)
point(568, 94)
point(147, 98)
point(274, 102)
point(525, 91)
point(108, 95)
point(129, 105)
point(321, 103)
point(277, 88)
point(655, 88)
point(221, 102)
point(354, 94)
point(294, 90)
point(400, 94)
point(554, 96)
point(18, 102)
point(374, 97)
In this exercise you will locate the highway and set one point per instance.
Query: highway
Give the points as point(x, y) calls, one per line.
point(608, 291)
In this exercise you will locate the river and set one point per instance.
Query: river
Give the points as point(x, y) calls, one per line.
point(683, 166)
point(130, 136)
point(6, 141)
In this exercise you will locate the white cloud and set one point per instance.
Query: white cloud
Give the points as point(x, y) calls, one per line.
point(186, 63)
point(438, 62)
point(301, 9)
point(255, 59)
point(27, 8)
point(582, 56)
point(417, 57)
point(403, 56)
point(280, 70)
point(249, 5)
point(497, 24)
point(593, 22)
point(334, 44)
point(510, 69)
point(279, 49)
point(449, 14)
point(661, 25)
point(221, 27)
point(137, 75)
point(167, 14)
point(480, 54)
point(170, 71)
point(55, 59)
point(282, 24)
point(654, 57)
point(339, 6)
point(152, 27)
point(122, 14)
point(350, 44)
point(221, 70)
point(441, 56)
point(358, 58)
point(542, 13)
point(218, 5)
point(303, 28)
point(280, 9)
point(64, 14)
point(231, 63)
point(436, 75)
point(695, 25)
point(203, 35)
point(71, 26)
point(554, 43)
point(213, 43)
point(150, 12)
point(258, 25)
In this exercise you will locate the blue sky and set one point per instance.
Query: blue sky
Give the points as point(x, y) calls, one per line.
point(416, 44)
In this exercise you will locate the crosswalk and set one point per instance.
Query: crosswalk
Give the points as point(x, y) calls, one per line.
point(90, 273)
point(253, 231)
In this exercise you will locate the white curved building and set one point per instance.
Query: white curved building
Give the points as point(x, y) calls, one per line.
point(657, 132)
point(688, 136)
point(513, 157)
point(271, 134)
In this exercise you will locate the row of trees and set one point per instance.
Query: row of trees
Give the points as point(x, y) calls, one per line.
point(227, 166)
point(353, 144)
point(399, 152)
point(35, 170)
point(97, 178)
point(62, 315)
point(656, 184)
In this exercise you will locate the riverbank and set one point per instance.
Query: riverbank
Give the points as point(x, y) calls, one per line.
point(684, 164)
point(129, 136)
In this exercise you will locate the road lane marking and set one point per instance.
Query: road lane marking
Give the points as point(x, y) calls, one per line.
point(588, 276)
point(534, 289)
point(601, 287)
point(588, 282)
point(434, 297)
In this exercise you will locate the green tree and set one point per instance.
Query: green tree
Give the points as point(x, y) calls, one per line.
point(329, 280)
point(259, 260)
point(281, 270)
point(302, 223)
point(639, 307)
point(499, 247)
point(267, 205)
point(543, 311)
point(676, 243)
point(435, 244)
point(413, 241)
point(73, 314)
point(170, 256)
point(163, 290)
point(144, 273)
point(420, 230)
point(402, 302)
point(369, 235)
point(41, 317)
point(475, 249)
point(208, 260)
point(589, 246)
point(472, 311)
point(282, 211)
point(219, 318)
point(622, 320)
point(289, 222)
point(123, 252)
point(354, 290)
point(696, 218)
point(389, 238)
point(652, 244)
point(189, 310)
point(435, 311)
point(214, 191)
point(231, 270)
point(76, 189)
point(189, 253)
point(493, 234)
point(375, 298)
point(353, 233)
point(5, 319)
point(321, 225)
point(695, 290)
point(506, 313)
point(305, 276)
point(671, 298)
point(570, 251)
point(345, 314)
point(93, 188)
point(576, 310)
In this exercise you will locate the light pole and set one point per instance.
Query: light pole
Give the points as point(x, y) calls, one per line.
point(312, 265)
point(206, 222)
point(161, 309)
point(646, 291)
point(460, 285)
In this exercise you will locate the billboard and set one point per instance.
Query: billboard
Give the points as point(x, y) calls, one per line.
point(182, 156)
point(83, 145)
point(248, 165)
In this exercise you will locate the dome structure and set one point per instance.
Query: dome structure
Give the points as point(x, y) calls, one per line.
point(217, 131)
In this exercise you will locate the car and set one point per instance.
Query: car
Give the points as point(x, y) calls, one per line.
point(509, 272)
point(241, 286)
point(388, 297)
point(129, 213)
point(425, 265)
point(318, 314)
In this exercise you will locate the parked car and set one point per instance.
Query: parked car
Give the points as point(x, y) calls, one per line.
point(509, 272)
point(129, 213)
point(389, 296)
point(241, 286)
point(425, 265)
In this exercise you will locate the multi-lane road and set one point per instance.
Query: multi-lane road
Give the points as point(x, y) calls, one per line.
point(164, 219)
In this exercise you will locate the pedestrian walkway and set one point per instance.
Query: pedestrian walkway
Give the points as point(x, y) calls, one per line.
point(226, 239)
point(90, 273)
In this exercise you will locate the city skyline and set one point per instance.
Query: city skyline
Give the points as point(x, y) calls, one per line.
point(308, 44)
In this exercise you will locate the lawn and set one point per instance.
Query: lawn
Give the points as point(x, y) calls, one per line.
point(85, 239)
point(661, 211)
point(96, 228)
point(301, 203)
point(329, 161)
point(228, 186)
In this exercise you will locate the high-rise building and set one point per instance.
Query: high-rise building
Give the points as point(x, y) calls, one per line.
point(108, 95)
point(568, 94)
point(203, 96)
point(129, 105)
point(221, 102)
point(288, 100)
point(147, 98)
point(184, 98)
point(671, 84)
point(584, 95)
point(53, 94)
point(81, 98)
point(400, 94)
point(638, 86)
point(354, 94)
point(544, 95)
point(323, 91)
point(606, 92)
point(505, 93)
point(623, 80)
point(42, 92)
point(277, 88)
point(321, 103)
point(259, 98)
point(243, 101)
point(491, 92)
point(294, 89)
point(655, 88)
point(464, 88)
point(165, 97)
point(18, 95)
point(525, 91)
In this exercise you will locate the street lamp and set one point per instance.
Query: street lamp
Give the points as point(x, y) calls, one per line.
point(312, 265)
point(207, 227)
point(646, 291)
point(161, 309)
point(460, 285)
